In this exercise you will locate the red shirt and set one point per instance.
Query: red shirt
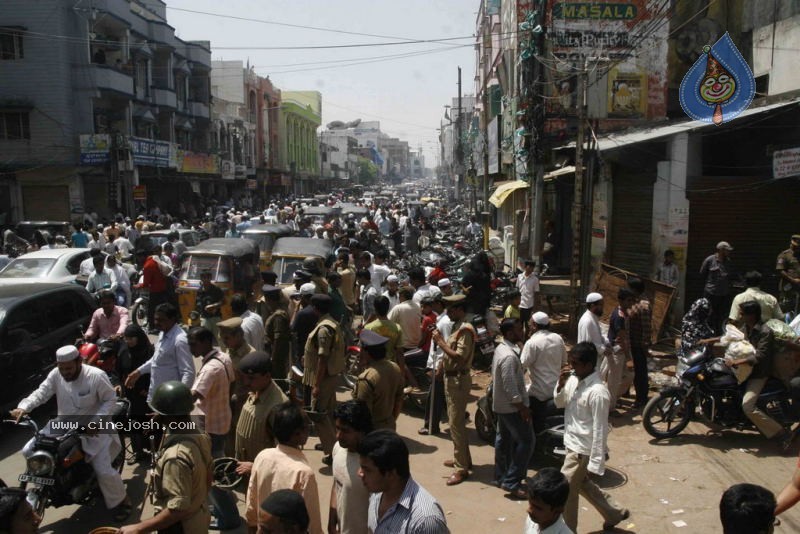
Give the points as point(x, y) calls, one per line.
point(436, 275)
point(154, 280)
point(427, 321)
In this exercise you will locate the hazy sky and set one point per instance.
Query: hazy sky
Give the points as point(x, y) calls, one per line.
point(406, 94)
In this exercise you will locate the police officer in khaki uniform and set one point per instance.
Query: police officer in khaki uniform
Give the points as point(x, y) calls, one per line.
point(319, 380)
point(788, 268)
point(182, 475)
point(380, 385)
point(231, 333)
point(458, 350)
point(277, 332)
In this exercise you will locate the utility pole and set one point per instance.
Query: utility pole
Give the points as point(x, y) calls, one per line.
point(577, 204)
point(459, 148)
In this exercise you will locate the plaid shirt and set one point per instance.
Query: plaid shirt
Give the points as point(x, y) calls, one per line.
point(641, 318)
point(213, 384)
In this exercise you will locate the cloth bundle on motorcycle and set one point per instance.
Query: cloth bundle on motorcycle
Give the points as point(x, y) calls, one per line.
point(737, 347)
point(785, 365)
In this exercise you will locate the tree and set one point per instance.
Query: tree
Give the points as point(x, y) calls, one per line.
point(367, 172)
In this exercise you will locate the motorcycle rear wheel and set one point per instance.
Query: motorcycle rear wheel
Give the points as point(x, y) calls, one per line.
point(139, 314)
point(667, 414)
point(485, 431)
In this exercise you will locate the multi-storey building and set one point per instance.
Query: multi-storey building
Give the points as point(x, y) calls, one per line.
point(301, 115)
point(98, 99)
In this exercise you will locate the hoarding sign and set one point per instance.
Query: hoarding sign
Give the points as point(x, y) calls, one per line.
point(95, 149)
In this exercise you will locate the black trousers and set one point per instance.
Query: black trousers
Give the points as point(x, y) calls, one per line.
point(720, 308)
point(641, 381)
point(155, 300)
point(540, 410)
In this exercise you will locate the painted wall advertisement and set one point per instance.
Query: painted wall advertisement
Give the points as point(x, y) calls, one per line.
point(95, 149)
point(227, 169)
point(632, 41)
point(198, 163)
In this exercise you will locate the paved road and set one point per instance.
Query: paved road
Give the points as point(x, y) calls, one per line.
point(679, 480)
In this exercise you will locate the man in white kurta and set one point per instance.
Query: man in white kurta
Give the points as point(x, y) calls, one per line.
point(82, 391)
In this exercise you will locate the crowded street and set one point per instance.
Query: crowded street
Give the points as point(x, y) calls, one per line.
point(535, 268)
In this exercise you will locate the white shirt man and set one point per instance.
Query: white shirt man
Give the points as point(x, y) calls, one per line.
point(586, 401)
point(378, 273)
point(543, 356)
point(83, 396)
point(528, 285)
point(425, 290)
point(589, 324)
point(253, 328)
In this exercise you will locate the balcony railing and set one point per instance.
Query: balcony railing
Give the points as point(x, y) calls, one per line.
point(109, 78)
point(165, 98)
point(199, 109)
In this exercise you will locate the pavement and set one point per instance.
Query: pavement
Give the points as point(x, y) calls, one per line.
point(673, 486)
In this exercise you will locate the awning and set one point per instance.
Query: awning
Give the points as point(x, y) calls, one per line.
point(629, 137)
point(569, 169)
point(504, 190)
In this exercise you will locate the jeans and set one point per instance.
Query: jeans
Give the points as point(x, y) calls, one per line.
point(513, 447)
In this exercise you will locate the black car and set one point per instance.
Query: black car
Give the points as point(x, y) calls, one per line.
point(35, 320)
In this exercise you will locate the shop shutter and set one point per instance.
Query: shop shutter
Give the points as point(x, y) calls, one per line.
point(756, 218)
point(45, 203)
point(631, 224)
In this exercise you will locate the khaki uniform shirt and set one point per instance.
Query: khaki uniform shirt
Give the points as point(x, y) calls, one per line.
point(254, 431)
point(276, 330)
point(381, 386)
point(236, 356)
point(319, 343)
point(181, 479)
point(462, 340)
point(790, 264)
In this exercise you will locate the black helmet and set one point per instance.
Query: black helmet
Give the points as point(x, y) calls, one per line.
point(311, 265)
point(172, 398)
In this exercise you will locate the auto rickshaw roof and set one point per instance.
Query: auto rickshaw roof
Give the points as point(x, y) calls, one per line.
point(352, 208)
point(277, 229)
point(225, 246)
point(302, 246)
point(319, 210)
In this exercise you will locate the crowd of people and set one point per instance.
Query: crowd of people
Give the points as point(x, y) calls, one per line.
point(269, 372)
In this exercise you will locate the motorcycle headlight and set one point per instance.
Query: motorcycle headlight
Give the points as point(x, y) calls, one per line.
point(40, 463)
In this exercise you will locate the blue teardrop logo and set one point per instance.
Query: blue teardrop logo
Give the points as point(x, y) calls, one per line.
point(720, 84)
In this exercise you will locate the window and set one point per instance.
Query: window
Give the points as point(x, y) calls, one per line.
point(10, 43)
point(15, 125)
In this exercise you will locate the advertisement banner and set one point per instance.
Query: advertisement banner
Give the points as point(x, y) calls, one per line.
point(251, 184)
point(227, 169)
point(493, 137)
point(140, 192)
point(199, 163)
point(149, 152)
point(95, 149)
point(786, 163)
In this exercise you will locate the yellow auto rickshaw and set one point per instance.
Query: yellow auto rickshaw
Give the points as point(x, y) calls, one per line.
point(233, 264)
point(289, 252)
point(265, 235)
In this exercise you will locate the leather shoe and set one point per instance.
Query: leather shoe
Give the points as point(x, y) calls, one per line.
point(517, 494)
point(327, 460)
point(457, 478)
point(608, 525)
point(426, 432)
point(318, 447)
point(452, 463)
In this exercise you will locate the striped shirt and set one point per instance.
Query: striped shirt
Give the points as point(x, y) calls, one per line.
point(508, 382)
point(416, 512)
point(213, 383)
point(253, 431)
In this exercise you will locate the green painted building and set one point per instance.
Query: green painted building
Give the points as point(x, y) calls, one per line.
point(301, 115)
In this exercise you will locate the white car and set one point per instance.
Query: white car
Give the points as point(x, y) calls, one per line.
point(48, 265)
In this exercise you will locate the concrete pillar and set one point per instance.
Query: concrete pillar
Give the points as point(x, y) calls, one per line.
point(671, 207)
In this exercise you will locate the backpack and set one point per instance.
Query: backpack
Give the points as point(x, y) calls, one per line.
point(336, 360)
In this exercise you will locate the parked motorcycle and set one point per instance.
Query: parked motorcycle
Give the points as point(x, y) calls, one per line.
point(549, 441)
point(706, 382)
point(57, 473)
